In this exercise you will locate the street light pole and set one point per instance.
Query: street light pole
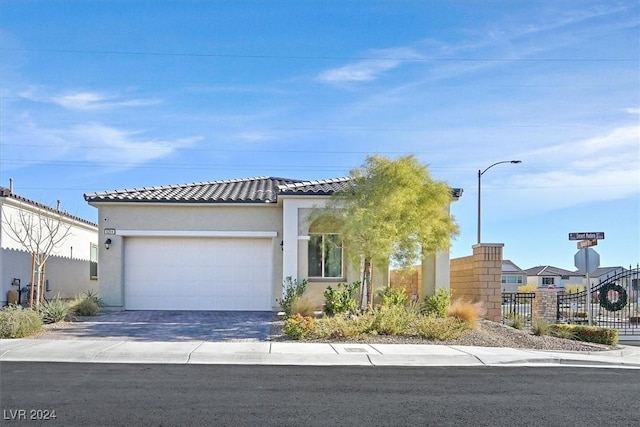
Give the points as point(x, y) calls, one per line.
point(480, 173)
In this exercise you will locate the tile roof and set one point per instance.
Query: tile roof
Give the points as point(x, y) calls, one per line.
point(547, 270)
point(6, 193)
point(320, 187)
point(249, 190)
point(509, 266)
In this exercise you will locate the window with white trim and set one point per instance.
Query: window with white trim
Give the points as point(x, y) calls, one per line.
point(93, 264)
point(512, 279)
point(325, 255)
point(548, 280)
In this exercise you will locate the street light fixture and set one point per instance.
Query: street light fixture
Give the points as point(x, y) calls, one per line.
point(480, 173)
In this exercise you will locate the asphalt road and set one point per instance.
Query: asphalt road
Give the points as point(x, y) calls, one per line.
point(203, 395)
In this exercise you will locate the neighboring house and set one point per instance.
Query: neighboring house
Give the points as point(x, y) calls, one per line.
point(72, 268)
point(512, 276)
point(224, 245)
point(548, 277)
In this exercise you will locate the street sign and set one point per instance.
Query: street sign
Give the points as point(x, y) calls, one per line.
point(599, 235)
point(587, 260)
point(587, 243)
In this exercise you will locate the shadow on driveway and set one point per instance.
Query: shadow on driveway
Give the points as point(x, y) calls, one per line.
point(169, 326)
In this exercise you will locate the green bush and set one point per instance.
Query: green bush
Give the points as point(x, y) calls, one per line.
point(516, 321)
point(345, 326)
point(392, 320)
point(293, 289)
point(299, 327)
point(87, 305)
point(17, 322)
point(342, 299)
point(438, 304)
point(594, 334)
point(393, 296)
point(55, 310)
point(541, 328)
point(441, 329)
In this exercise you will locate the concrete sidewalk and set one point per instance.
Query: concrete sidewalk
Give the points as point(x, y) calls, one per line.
point(313, 354)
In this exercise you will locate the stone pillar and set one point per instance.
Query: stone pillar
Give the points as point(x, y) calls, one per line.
point(487, 275)
point(545, 305)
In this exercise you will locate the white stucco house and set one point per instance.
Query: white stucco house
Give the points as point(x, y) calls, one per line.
point(72, 268)
point(546, 276)
point(512, 276)
point(223, 245)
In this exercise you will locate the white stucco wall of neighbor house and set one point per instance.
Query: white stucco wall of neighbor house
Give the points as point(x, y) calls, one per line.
point(120, 221)
point(68, 269)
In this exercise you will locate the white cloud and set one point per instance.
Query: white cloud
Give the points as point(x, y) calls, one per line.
point(254, 136)
point(99, 144)
point(87, 100)
point(371, 68)
point(103, 144)
point(597, 169)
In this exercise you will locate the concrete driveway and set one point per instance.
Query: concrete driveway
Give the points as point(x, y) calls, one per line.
point(168, 326)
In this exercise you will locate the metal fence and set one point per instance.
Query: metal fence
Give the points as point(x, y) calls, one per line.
point(614, 303)
point(517, 308)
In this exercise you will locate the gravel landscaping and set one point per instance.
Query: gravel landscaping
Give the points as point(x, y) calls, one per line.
point(487, 334)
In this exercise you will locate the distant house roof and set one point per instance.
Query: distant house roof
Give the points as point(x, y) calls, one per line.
point(247, 190)
point(547, 270)
point(509, 267)
point(607, 271)
point(6, 193)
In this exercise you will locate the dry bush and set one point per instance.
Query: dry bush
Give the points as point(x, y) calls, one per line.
point(466, 311)
point(302, 306)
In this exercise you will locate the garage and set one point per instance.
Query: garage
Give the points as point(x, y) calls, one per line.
point(197, 273)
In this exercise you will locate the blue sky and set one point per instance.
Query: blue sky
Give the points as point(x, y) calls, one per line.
point(103, 95)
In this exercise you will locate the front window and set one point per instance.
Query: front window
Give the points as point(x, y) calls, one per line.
point(325, 255)
point(547, 281)
point(510, 279)
point(93, 264)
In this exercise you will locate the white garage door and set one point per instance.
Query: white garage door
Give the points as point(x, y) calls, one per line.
point(185, 273)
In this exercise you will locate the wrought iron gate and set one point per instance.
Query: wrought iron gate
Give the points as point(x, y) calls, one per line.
point(614, 303)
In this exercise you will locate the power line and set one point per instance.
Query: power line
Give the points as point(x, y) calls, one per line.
point(313, 57)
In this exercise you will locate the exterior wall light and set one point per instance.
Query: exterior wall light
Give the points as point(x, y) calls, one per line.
point(107, 244)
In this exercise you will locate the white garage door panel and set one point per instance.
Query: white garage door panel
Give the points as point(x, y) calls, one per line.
point(185, 273)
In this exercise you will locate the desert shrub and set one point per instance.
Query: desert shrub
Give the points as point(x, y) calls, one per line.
point(299, 327)
point(438, 304)
point(342, 299)
point(527, 288)
point(393, 296)
point(573, 289)
point(54, 310)
point(440, 328)
point(392, 320)
point(86, 305)
point(465, 311)
point(293, 289)
point(17, 322)
point(541, 327)
point(345, 326)
point(594, 334)
point(302, 306)
point(516, 321)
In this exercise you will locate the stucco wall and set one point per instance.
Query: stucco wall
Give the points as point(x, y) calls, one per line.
point(67, 277)
point(68, 268)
